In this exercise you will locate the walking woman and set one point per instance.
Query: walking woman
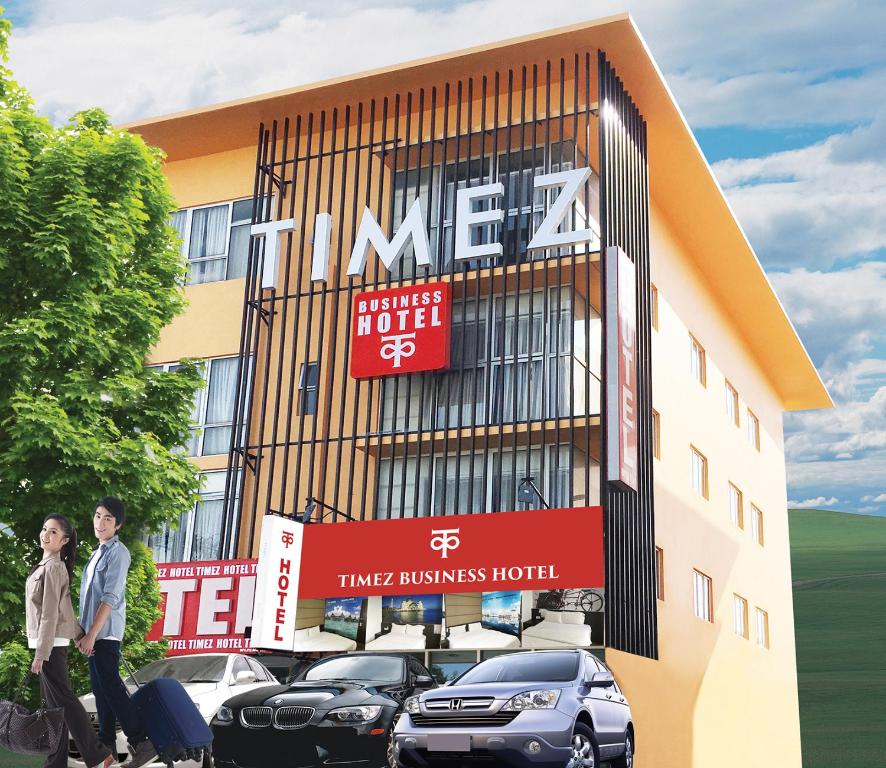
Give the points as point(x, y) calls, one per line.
point(51, 627)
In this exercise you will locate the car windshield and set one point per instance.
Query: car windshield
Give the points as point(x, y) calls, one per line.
point(524, 668)
point(185, 669)
point(385, 669)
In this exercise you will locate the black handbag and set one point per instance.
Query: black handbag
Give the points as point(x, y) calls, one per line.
point(26, 732)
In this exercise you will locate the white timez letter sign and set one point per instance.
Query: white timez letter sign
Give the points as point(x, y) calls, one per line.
point(468, 221)
point(270, 231)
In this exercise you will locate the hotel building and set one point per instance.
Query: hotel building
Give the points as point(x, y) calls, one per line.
point(698, 620)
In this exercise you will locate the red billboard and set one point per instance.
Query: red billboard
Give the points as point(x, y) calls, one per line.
point(534, 549)
point(401, 330)
point(207, 605)
point(528, 579)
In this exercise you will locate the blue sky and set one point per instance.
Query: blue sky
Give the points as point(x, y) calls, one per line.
point(785, 99)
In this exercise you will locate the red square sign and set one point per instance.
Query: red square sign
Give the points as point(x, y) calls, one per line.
point(401, 330)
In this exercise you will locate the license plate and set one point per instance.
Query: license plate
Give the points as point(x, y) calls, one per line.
point(449, 742)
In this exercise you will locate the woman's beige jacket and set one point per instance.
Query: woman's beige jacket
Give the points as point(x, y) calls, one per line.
point(49, 612)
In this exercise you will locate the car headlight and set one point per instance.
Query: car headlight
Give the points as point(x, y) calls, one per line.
point(225, 714)
point(412, 706)
point(346, 715)
point(542, 699)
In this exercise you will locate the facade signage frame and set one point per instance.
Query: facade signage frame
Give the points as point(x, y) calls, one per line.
point(622, 435)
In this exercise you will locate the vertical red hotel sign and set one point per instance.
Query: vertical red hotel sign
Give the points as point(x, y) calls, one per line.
point(621, 369)
point(401, 330)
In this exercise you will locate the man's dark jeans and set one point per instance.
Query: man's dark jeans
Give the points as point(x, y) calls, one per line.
point(112, 702)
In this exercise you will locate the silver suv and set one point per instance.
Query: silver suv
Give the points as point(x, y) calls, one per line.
point(541, 709)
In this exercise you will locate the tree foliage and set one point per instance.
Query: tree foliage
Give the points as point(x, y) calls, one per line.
point(91, 271)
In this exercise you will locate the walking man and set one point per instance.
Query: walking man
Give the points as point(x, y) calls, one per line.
point(103, 616)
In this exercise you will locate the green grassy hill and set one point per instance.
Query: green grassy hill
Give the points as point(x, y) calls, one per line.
point(839, 573)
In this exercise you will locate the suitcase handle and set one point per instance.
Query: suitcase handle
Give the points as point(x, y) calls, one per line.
point(130, 671)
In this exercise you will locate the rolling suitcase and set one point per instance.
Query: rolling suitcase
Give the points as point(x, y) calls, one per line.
point(172, 720)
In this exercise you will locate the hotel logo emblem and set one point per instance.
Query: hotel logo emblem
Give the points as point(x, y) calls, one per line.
point(397, 347)
point(444, 539)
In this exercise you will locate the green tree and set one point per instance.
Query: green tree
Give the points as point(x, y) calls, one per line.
point(91, 271)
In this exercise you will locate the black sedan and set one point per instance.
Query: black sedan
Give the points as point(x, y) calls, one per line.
point(341, 710)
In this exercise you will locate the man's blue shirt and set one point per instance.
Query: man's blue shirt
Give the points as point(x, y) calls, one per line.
point(108, 585)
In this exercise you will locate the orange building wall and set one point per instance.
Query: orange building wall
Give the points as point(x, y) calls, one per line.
point(713, 698)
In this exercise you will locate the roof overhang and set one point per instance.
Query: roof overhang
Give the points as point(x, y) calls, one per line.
point(682, 183)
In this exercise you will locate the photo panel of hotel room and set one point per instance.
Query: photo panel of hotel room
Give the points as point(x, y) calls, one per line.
point(391, 622)
point(570, 618)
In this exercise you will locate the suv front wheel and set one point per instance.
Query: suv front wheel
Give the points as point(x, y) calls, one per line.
point(585, 752)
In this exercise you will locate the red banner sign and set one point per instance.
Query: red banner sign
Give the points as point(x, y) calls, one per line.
point(206, 605)
point(401, 330)
point(536, 549)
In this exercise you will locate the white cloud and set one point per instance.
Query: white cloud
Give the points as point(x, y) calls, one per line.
point(138, 59)
point(758, 99)
point(853, 427)
point(880, 498)
point(814, 206)
point(818, 501)
point(842, 316)
point(848, 478)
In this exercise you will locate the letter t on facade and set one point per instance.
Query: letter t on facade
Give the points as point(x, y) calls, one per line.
point(270, 231)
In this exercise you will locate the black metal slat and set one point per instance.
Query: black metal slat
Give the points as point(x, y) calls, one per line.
point(254, 332)
point(359, 385)
point(427, 380)
point(284, 304)
point(383, 385)
point(233, 492)
point(287, 429)
point(346, 379)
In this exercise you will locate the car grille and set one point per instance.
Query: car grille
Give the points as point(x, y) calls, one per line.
point(471, 703)
point(256, 717)
point(464, 719)
point(292, 717)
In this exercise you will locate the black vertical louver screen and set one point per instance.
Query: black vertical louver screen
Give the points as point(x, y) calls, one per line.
point(629, 517)
point(522, 395)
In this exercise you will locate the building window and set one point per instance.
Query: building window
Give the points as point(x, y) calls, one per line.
point(753, 429)
point(656, 434)
point(521, 357)
point(217, 411)
point(732, 403)
point(523, 206)
point(459, 484)
point(698, 476)
point(697, 361)
point(308, 387)
point(757, 524)
point(215, 240)
point(740, 616)
point(762, 628)
point(659, 573)
point(213, 410)
point(736, 506)
point(197, 536)
point(703, 594)
point(654, 307)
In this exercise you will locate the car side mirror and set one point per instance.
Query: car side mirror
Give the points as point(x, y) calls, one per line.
point(244, 676)
point(423, 681)
point(601, 680)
